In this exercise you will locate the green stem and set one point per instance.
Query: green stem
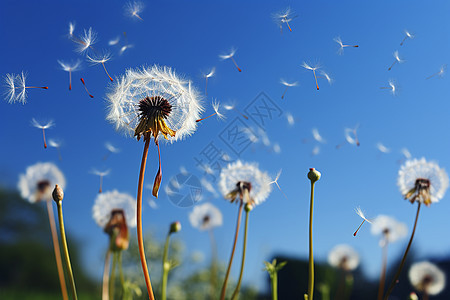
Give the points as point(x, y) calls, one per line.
point(166, 268)
point(66, 249)
point(311, 255)
point(394, 281)
point(122, 278)
point(238, 287)
point(383, 270)
point(105, 286)
point(238, 225)
point(113, 276)
point(274, 281)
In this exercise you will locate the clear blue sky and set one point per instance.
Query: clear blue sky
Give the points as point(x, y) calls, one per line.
point(189, 36)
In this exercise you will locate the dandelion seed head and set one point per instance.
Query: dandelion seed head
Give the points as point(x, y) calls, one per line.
point(208, 186)
point(397, 57)
point(139, 93)
point(205, 216)
point(107, 202)
point(54, 143)
point(327, 77)
point(409, 34)
point(350, 135)
point(422, 181)
point(237, 177)
point(391, 229)
point(343, 257)
point(152, 203)
point(124, 48)
point(71, 28)
point(315, 151)
point(427, 277)
point(310, 67)
point(42, 126)
point(406, 153)
point(276, 148)
point(39, 180)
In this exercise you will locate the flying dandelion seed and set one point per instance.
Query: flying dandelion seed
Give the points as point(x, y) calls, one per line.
point(317, 136)
point(84, 84)
point(114, 42)
point(209, 75)
point(360, 213)
point(277, 148)
point(233, 106)
point(70, 67)
point(85, 42)
point(111, 149)
point(290, 119)
point(152, 203)
point(55, 144)
point(397, 60)
point(406, 153)
point(315, 151)
point(17, 89)
point(326, 76)
point(275, 181)
point(351, 136)
point(124, 48)
point(284, 17)
point(440, 73)
point(209, 187)
point(312, 68)
point(215, 105)
point(230, 56)
point(392, 86)
point(287, 85)
point(71, 29)
point(408, 35)
point(382, 148)
point(134, 9)
point(101, 60)
point(43, 127)
point(342, 45)
point(101, 174)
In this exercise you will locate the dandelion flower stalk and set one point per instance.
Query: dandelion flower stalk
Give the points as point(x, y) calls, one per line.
point(51, 219)
point(238, 225)
point(313, 176)
point(397, 274)
point(58, 196)
point(174, 227)
point(105, 285)
point(113, 276)
point(383, 270)
point(272, 269)
point(248, 208)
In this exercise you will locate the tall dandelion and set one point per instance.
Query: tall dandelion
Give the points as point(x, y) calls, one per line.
point(422, 182)
point(346, 259)
point(427, 278)
point(152, 102)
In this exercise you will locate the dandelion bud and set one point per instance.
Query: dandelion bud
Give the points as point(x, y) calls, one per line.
point(58, 193)
point(313, 175)
point(248, 207)
point(413, 296)
point(175, 227)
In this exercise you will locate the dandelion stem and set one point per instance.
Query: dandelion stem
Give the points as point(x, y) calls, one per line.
point(238, 225)
point(394, 281)
point(51, 219)
point(121, 277)
point(139, 220)
point(383, 271)
point(105, 285)
point(274, 284)
point(43, 135)
point(213, 275)
point(103, 64)
point(113, 276)
point(166, 268)
point(311, 255)
point(238, 286)
point(232, 59)
point(65, 249)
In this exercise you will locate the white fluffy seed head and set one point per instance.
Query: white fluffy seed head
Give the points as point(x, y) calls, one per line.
point(427, 277)
point(108, 201)
point(343, 257)
point(390, 229)
point(205, 216)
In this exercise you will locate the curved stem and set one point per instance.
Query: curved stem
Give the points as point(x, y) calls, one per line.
point(113, 276)
point(238, 225)
point(394, 281)
point(51, 219)
point(383, 271)
point(139, 221)
point(105, 285)
point(166, 268)
point(311, 255)
point(238, 287)
point(65, 249)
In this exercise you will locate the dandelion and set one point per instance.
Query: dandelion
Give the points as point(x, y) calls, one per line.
point(342, 45)
point(392, 230)
point(287, 85)
point(17, 89)
point(392, 86)
point(343, 257)
point(440, 73)
point(101, 174)
point(382, 148)
point(317, 136)
point(85, 42)
point(111, 149)
point(284, 16)
point(408, 35)
point(133, 9)
point(233, 106)
point(427, 278)
point(43, 127)
point(275, 181)
point(252, 186)
point(230, 56)
point(312, 68)
point(87, 91)
point(272, 269)
point(101, 60)
point(397, 60)
point(422, 182)
point(55, 144)
point(210, 74)
point(313, 176)
point(70, 67)
point(215, 105)
point(360, 213)
point(154, 102)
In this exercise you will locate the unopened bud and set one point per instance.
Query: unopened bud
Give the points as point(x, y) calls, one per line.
point(413, 296)
point(58, 193)
point(313, 175)
point(248, 207)
point(175, 227)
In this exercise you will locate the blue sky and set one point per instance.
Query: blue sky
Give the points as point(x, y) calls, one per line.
point(189, 36)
